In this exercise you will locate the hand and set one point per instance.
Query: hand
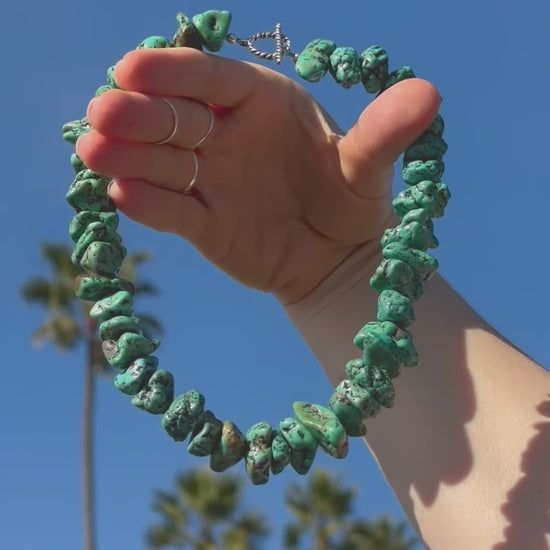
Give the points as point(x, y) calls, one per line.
point(282, 196)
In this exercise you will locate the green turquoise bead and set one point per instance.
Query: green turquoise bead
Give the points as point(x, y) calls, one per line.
point(136, 376)
point(437, 127)
point(186, 36)
point(258, 457)
point(280, 453)
point(206, 436)
point(349, 415)
point(378, 348)
point(357, 372)
point(344, 67)
point(154, 42)
point(103, 258)
point(212, 27)
point(393, 306)
point(77, 164)
point(231, 448)
point(404, 73)
point(313, 63)
point(374, 68)
point(432, 197)
point(83, 219)
point(303, 444)
point(158, 393)
point(427, 147)
point(325, 427)
point(74, 129)
point(373, 379)
point(114, 328)
point(423, 264)
point(361, 398)
point(184, 415)
point(397, 275)
point(102, 89)
point(96, 231)
point(111, 77)
point(419, 170)
point(90, 194)
point(120, 303)
point(412, 234)
point(129, 347)
point(95, 288)
point(407, 354)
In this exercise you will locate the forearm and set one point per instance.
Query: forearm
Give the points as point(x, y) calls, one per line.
point(464, 445)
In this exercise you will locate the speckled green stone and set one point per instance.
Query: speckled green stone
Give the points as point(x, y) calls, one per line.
point(111, 77)
point(427, 147)
point(83, 219)
point(206, 436)
point(397, 275)
point(95, 288)
point(231, 448)
point(77, 164)
point(158, 393)
point(313, 63)
point(102, 89)
point(154, 42)
point(74, 129)
point(186, 36)
point(212, 27)
point(412, 234)
point(393, 306)
point(437, 127)
point(303, 444)
point(407, 354)
point(90, 194)
point(184, 415)
point(373, 379)
point(114, 328)
point(103, 258)
point(378, 348)
point(96, 231)
point(280, 453)
point(129, 347)
point(325, 427)
point(404, 73)
point(360, 397)
point(134, 378)
point(432, 197)
point(258, 457)
point(374, 68)
point(120, 303)
point(345, 67)
point(416, 171)
point(423, 264)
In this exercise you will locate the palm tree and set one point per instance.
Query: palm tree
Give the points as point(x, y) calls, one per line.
point(205, 513)
point(67, 325)
point(380, 534)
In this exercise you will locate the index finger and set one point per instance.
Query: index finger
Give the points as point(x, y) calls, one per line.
point(187, 72)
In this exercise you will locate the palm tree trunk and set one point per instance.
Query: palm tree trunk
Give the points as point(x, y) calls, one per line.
point(87, 442)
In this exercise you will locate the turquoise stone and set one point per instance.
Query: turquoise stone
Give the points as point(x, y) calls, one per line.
point(356, 371)
point(184, 415)
point(303, 444)
point(344, 67)
point(154, 42)
point(120, 303)
point(90, 194)
point(432, 197)
point(258, 457)
point(102, 89)
point(280, 453)
point(325, 427)
point(158, 393)
point(103, 258)
point(74, 129)
point(115, 327)
point(378, 348)
point(313, 63)
point(397, 275)
point(393, 306)
point(373, 379)
point(231, 448)
point(348, 414)
point(404, 73)
point(412, 234)
point(83, 219)
point(212, 27)
point(129, 347)
point(134, 378)
point(374, 68)
point(437, 127)
point(361, 398)
point(96, 231)
point(77, 164)
point(423, 264)
point(427, 147)
point(111, 77)
point(186, 36)
point(419, 170)
point(407, 354)
point(205, 436)
point(95, 288)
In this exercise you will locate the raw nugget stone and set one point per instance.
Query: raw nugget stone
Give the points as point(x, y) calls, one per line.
point(378, 348)
point(313, 63)
point(404, 73)
point(184, 415)
point(83, 219)
point(397, 275)
point(186, 36)
point(129, 347)
point(77, 164)
point(280, 453)
point(111, 77)
point(96, 231)
point(374, 68)
point(416, 171)
point(231, 448)
point(206, 436)
point(114, 328)
point(103, 258)
point(426, 147)
point(345, 67)
point(95, 288)
point(412, 234)
point(406, 352)
point(158, 393)
point(120, 303)
point(134, 378)
point(90, 193)
point(393, 306)
point(303, 444)
point(154, 42)
point(373, 379)
point(258, 457)
point(325, 427)
point(432, 197)
point(360, 397)
point(423, 264)
point(75, 128)
point(212, 27)
point(102, 89)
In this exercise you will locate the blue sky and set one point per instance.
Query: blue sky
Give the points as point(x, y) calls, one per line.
point(489, 60)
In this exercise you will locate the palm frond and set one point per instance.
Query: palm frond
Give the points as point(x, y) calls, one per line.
point(62, 330)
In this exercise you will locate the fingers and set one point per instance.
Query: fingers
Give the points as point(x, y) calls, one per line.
point(383, 131)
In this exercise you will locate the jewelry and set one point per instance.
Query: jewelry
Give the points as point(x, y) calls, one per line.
point(175, 122)
point(210, 126)
point(386, 343)
point(191, 184)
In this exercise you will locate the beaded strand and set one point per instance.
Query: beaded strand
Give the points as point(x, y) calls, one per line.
point(386, 344)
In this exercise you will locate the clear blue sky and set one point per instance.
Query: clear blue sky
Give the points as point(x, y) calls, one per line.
point(490, 62)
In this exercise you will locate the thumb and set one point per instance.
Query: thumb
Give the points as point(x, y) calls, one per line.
point(383, 131)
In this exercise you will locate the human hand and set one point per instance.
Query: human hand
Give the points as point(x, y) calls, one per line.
point(282, 196)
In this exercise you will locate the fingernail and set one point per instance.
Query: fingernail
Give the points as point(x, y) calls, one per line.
point(110, 186)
